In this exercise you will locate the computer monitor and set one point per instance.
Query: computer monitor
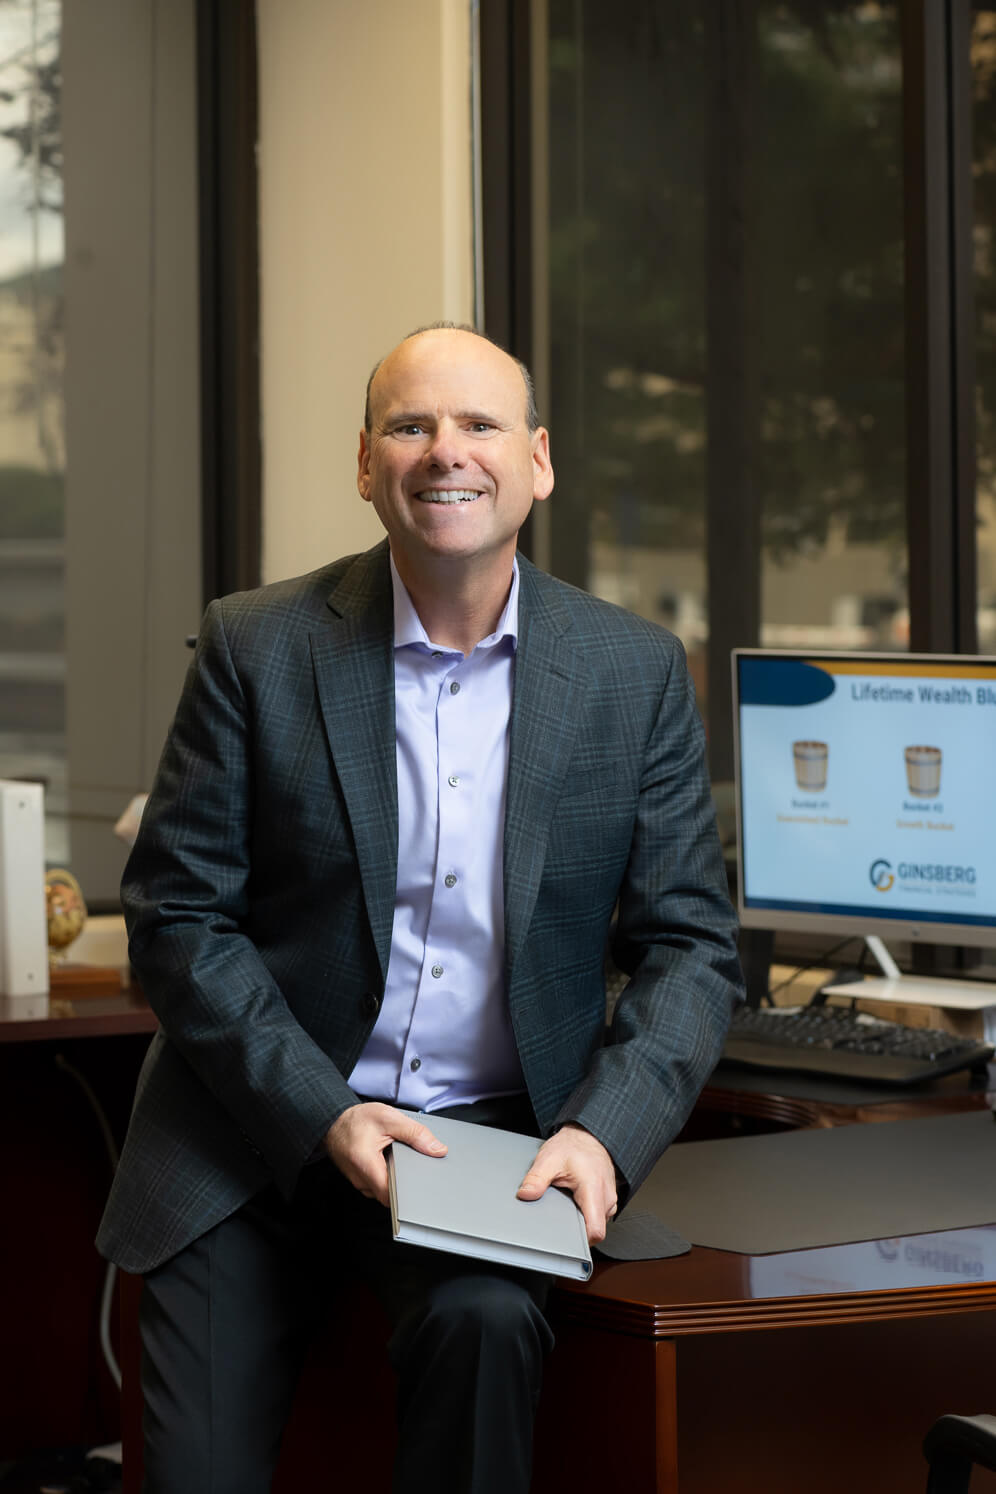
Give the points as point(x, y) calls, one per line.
point(866, 795)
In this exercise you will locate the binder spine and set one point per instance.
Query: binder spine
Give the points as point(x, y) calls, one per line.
point(23, 924)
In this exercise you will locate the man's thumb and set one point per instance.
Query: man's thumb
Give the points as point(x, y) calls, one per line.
point(533, 1185)
point(421, 1138)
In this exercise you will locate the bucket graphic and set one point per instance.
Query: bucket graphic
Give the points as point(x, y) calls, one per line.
point(923, 771)
point(811, 759)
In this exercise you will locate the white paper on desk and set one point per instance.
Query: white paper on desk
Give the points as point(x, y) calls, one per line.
point(23, 923)
point(465, 1202)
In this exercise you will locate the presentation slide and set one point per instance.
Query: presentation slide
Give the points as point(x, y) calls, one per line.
point(867, 787)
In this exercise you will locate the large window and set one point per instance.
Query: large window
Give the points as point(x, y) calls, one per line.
point(32, 426)
point(724, 288)
point(100, 340)
point(736, 257)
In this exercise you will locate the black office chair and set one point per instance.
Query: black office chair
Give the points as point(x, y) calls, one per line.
point(953, 1446)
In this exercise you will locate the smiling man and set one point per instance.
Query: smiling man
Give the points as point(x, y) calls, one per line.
point(451, 459)
point(400, 803)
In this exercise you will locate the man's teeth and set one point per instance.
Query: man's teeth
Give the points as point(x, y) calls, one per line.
point(450, 495)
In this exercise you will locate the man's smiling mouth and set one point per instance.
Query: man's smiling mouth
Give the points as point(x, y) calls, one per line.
point(448, 495)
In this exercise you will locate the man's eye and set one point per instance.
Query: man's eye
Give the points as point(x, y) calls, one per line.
point(481, 425)
point(412, 428)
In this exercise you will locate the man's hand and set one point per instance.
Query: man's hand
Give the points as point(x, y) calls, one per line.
point(574, 1159)
point(356, 1143)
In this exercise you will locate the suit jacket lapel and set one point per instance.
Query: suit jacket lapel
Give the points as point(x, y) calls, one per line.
point(354, 675)
point(546, 709)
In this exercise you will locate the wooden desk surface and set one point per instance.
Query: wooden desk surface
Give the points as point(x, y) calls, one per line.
point(82, 1017)
point(718, 1291)
point(791, 1101)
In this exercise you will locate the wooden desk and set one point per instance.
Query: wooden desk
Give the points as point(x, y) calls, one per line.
point(721, 1372)
point(689, 1380)
point(679, 1377)
point(671, 1376)
point(743, 1101)
point(56, 1174)
point(85, 1017)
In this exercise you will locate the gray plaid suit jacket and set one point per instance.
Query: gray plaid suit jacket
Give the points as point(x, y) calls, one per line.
point(260, 894)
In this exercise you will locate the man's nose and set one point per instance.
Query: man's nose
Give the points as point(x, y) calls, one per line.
point(448, 447)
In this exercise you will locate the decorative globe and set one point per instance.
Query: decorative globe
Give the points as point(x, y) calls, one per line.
point(66, 912)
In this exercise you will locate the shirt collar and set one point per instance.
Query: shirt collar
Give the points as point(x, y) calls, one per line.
point(408, 627)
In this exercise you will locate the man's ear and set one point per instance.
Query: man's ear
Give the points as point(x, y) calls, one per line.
point(363, 467)
point(542, 466)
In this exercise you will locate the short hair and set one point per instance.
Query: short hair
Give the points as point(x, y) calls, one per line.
point(532, 414)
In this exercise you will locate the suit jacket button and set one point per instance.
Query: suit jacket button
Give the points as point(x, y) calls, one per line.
point(370, 1003)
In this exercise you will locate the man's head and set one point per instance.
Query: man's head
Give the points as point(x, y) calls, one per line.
point(449, 458)
point(532, 414)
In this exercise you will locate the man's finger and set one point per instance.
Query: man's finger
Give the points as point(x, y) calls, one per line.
point(552, 1164)
point(357, 1141)
point(593, 1209)
point(417, 1136)
point(537, 1180)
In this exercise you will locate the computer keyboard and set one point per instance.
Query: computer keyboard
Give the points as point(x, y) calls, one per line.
point(842, 1044)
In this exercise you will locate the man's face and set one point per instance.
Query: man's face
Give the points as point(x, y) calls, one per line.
point(450, 465)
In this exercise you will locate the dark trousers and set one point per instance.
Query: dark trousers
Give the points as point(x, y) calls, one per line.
point(226, 1324)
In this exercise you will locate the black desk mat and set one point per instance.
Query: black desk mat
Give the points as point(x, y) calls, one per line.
point(799, 1189)
point(638, 1235)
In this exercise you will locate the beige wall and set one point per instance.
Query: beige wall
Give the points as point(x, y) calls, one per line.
point(366, 231)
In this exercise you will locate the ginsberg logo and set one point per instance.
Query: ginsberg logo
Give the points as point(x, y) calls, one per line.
point(881, 876)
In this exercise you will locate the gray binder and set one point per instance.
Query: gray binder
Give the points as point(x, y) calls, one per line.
point(465, 1202)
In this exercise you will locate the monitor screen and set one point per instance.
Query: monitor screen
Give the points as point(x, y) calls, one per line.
point(866, 793)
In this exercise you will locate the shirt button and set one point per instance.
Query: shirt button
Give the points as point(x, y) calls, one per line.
point(450, 879)
point(415, 1065)
point(437, 971)
point(454, 688)
point(437, 653)
point(453, 781)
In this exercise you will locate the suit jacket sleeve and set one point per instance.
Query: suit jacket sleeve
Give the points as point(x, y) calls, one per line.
point(675, 939)
point(186, 895)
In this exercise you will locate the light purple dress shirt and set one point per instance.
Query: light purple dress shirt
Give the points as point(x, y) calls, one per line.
point(443, 1036)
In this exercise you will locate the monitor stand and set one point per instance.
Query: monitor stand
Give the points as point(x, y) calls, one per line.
point(914, 990)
